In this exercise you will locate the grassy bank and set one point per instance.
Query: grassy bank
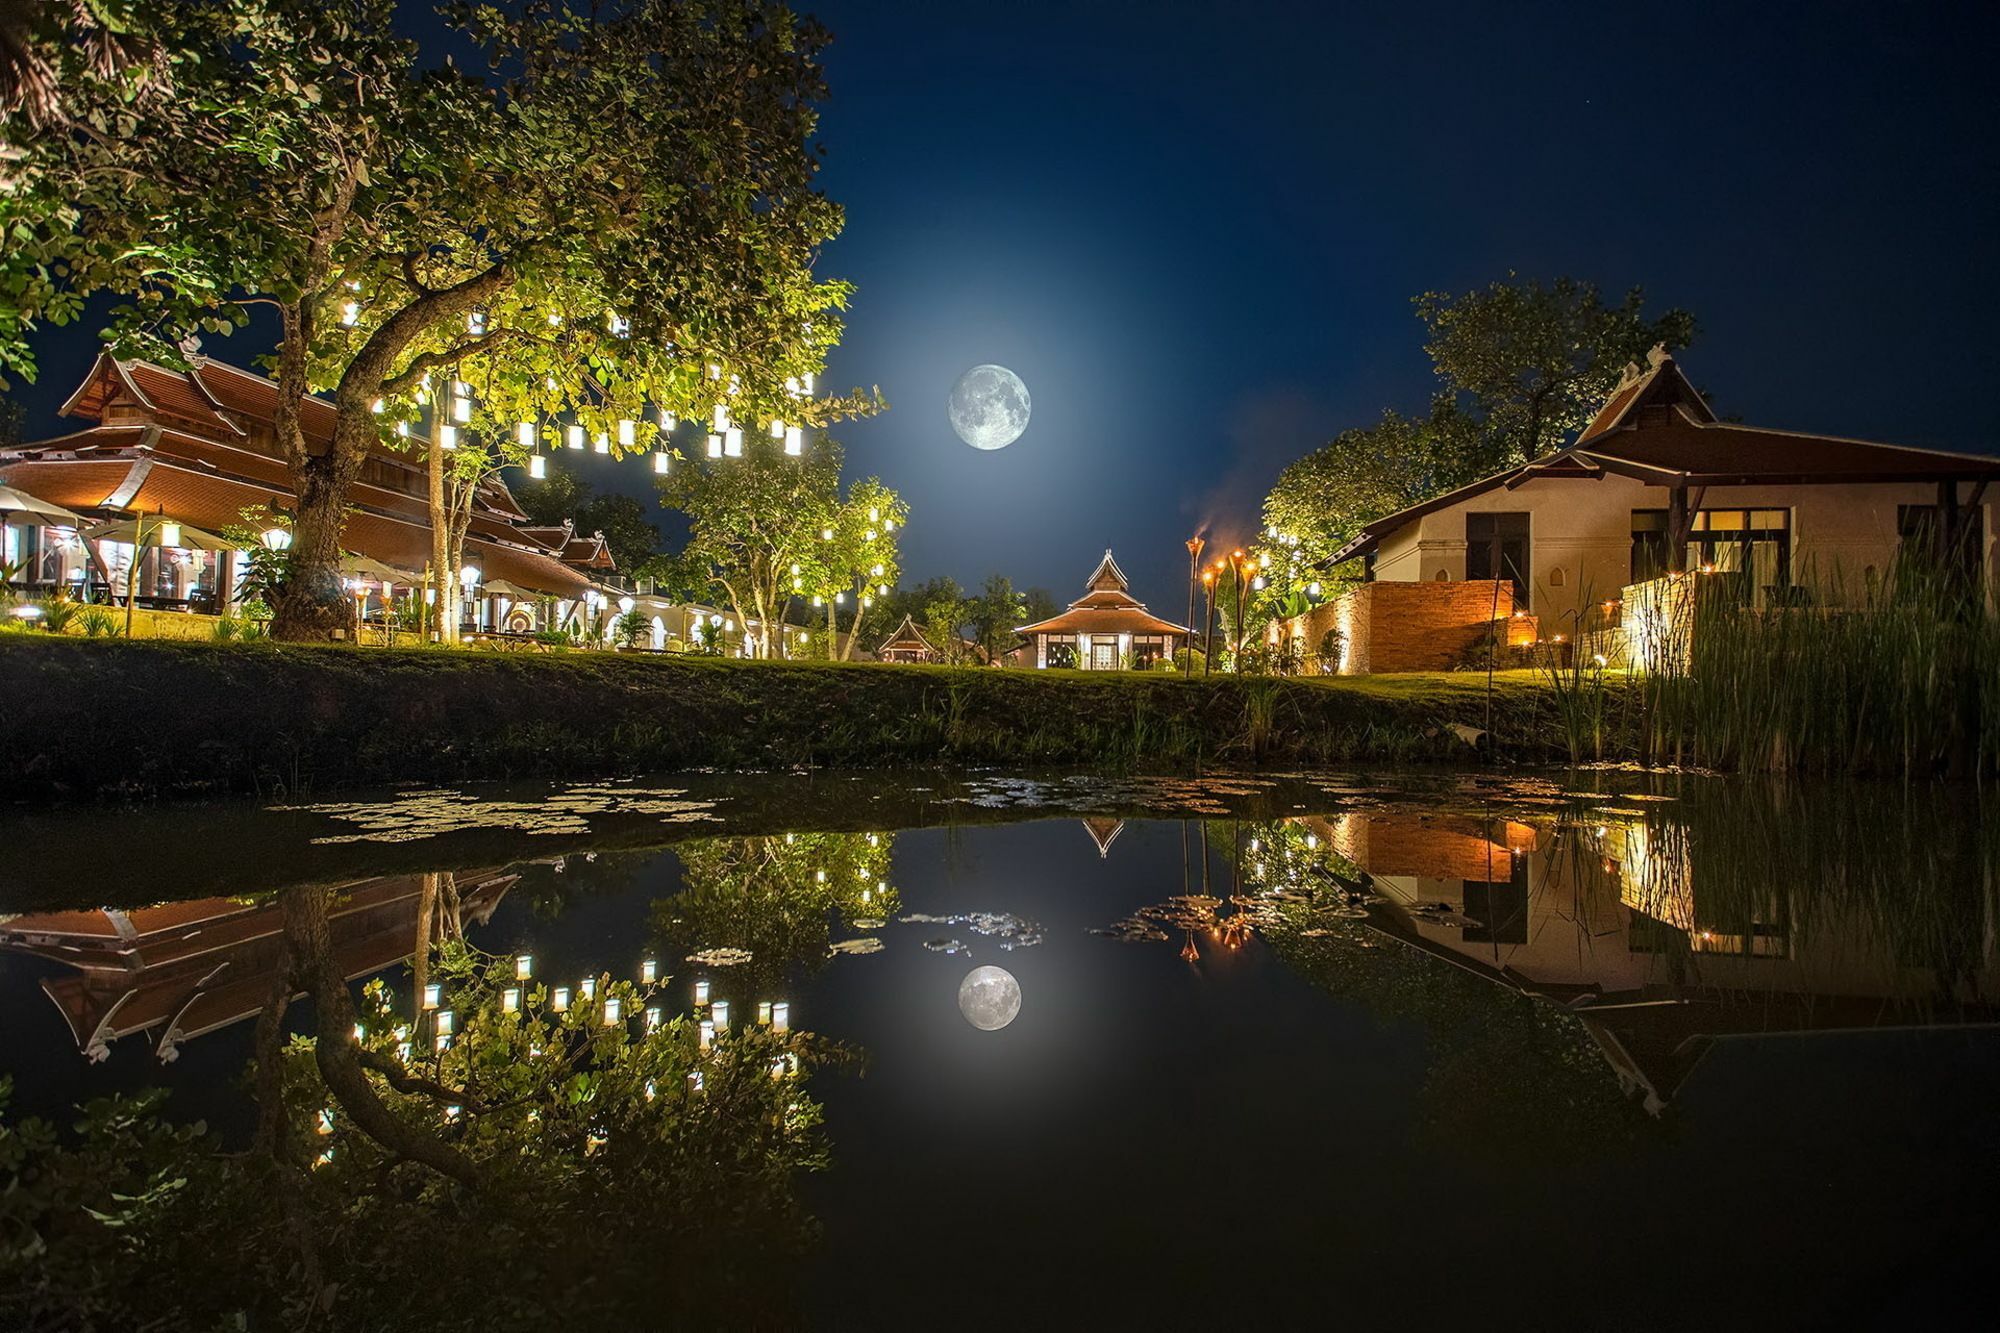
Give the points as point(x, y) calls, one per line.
point(87, 718)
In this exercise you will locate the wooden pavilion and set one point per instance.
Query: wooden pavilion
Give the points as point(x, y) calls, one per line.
point(1106, 629)
point(907, 644)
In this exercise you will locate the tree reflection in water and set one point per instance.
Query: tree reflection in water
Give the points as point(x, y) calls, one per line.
point(778, 899)
point(506, 1166)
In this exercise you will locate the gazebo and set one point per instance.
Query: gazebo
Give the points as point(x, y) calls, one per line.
point(907, 644)
point(1105, 629)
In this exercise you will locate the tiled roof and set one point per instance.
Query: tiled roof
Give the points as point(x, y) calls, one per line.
point(907, 638)
point(1658, 429)
point(1127, 620)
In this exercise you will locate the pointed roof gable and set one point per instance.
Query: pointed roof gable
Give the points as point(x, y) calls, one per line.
point(907, 636)
point(1105, 608)
point(1103, 831)
point(1107, 577)
point(1661, 384)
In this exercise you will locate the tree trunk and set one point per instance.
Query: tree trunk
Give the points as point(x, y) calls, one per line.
point(447, 585)
point(306, 914)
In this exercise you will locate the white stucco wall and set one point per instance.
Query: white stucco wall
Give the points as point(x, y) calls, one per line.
point(1580, 534)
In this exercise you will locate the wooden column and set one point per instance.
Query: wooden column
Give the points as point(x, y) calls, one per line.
point(1678, 524)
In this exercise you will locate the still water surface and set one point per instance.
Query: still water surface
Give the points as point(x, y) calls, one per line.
point(1585, 1051)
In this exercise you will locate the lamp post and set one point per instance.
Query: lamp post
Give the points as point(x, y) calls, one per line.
point(1194, 545)
point(1208, 646)
point(1236, 565)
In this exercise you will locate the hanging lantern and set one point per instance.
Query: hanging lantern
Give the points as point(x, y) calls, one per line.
point(648, 972)
point(525, 433)
point(612, 1008)
point(589, 988)
point(524, 966)
point(626, 432)
point(777, 430)
point(876, 570)
point(461, 410)
point(432, 993)
point(732, 442)
point(808, 382)
point(475, 322)
point(538, 467)
point(560, 1000)
point(701, 991)
point(764, 1012)
point(652, 1017)
point(889, 525)
point(781, 1017)
point(601, 442)
point(707, 1030)
point(350, 312)
point(510, 1000)
point(573, 435)
point(874, 514)
point(719, 1014)
point(444, 1020)
point(376, 407)
point(662, 460)
point(795, 441)
point(170, 533)
point(721, 418)
point(448, 436)
point(715, 446)
point(667, 421)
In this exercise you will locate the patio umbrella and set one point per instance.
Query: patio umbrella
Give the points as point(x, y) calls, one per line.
point(502, 588)
point(21, 508)
point(150, 530)
point(368, 568)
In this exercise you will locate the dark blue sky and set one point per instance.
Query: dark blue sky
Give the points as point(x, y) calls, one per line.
point(1194, 230)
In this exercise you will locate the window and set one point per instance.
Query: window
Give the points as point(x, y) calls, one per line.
point(1752, 546)
point(1496, 547)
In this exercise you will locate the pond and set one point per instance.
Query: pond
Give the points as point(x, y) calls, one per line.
point(1542, 1050)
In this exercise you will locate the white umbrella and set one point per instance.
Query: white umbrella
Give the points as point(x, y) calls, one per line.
point(150, 532)
point(23, 508)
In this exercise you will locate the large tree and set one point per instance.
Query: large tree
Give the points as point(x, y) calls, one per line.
point(1530, 362)
point(858, 562)
point(1524, 366)
point(757, 524)
point(614, 225)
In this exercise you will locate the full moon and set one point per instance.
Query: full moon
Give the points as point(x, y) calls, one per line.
point(989, 997)
point(989, 407)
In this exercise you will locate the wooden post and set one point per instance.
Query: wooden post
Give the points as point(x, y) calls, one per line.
point(1677, 530)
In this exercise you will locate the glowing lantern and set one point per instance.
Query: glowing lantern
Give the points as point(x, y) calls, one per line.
point(667, 421)
point(721, 417)
point(461, 410)
point(589, 988)
point(444, 1020)
point(777, 430)
point(538, 467)
point(715, 446)
point(612, 1008)
point(350, 313)
point(652, 1017)
point(661, 461)
point(707, 1030)
point(573, 436)
point(601, 442)
point(510, 1000)
point(719, 1013)
point(781, 1017)
point(525, 433)
point(732, 442)
point(524, 966)
point(626, 432)
point(701, 991)
point(560, 1000)
point(448, 436)
point(277, 539)
point(170, 533)
point(795, 441)
point(432, 993)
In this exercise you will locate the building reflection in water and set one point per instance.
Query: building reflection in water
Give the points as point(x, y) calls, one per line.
point(1660, 934)
point(181, 970)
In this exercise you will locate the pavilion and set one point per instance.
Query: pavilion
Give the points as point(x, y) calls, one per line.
point(1106, 629)
point(907, 644)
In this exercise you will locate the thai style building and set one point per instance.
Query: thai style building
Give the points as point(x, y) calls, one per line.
point(196, 448)
point(907, 644)
point(1106, 629)
point(1656, 488)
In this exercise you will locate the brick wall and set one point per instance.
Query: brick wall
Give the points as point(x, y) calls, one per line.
point(1406, 626)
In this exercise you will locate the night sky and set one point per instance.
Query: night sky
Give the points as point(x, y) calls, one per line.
point(1195, 230)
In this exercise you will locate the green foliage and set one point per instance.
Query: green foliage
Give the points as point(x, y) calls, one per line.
point(1523, 365)
point(606, 1173)
point(100, 622)
point(630, 628)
